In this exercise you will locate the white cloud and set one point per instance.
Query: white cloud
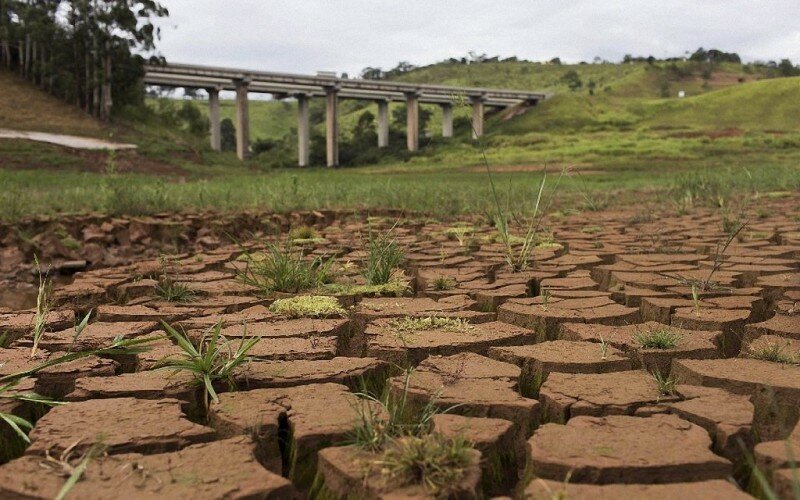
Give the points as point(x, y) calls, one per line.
point(304, 36)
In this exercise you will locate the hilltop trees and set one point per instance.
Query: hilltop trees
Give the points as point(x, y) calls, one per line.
point(88, 52)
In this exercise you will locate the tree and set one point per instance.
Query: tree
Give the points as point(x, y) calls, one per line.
point(786, 68)
point(572, 79)
point(370, 73)
point(89, 52)
point(714, 56)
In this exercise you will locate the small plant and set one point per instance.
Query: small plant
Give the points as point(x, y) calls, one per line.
point(43, 304)
point(443, 283)
point(303, 233)
point(708, 284)
point(212, 359)
point(171, 291)
point(283, 270)
point(661, 338)
point(434, 461)
point(167, 288)
point(603, 348)
point(308, 306)
point(666, 384)
point(774, 352)
point(520, 259)
point(545, 298)
point(384, 255)
point(391, 416)
point(593, 201)
point(460, 233)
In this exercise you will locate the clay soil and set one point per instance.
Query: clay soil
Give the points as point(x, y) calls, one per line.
point(594, 373)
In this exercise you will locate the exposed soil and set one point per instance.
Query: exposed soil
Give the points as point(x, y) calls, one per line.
point(598, 365)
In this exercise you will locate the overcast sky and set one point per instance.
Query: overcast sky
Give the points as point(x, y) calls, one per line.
point(304, 36)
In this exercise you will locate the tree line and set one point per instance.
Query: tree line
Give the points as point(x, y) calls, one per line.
point(784, 67)
point(87, 52)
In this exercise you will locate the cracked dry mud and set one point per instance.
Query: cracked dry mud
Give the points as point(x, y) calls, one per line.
point(552, 374)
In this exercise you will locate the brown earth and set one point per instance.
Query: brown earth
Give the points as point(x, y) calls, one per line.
point(558, 342)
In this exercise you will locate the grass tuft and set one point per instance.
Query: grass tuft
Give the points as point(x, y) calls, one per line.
point(433, 461)
point(384, 256)
point(774, 352)
point(443, 283)
point(666, 384)
point(391, 416)
point(284, 270)
point(171, 291)
point(43, 304)
point(303, 233)
point(213, 358)
point(661, 338)
point(308, 306)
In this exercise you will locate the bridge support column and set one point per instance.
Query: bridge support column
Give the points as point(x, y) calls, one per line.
point(242, 121)
point(213, 119)
point(332, 126)
point(477, 117)
point(412, 121)
point(303, 131)
point(447, 120)
point(383, 123)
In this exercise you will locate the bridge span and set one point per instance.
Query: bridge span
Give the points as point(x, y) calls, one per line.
point(304, 87)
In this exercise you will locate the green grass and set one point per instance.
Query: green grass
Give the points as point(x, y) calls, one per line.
point(626, 140)
point(283, 270)
point(211, 359)
point(774, 352)
point(433, 461)
point(443, 283)
point(384, 257)
point(661, 338)
point(666, 384)
point(170, 291)
point(440, 191)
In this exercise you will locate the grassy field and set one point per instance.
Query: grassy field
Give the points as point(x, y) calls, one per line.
point(735, 131)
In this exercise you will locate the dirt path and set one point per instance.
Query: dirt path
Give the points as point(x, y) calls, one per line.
point(70, 141)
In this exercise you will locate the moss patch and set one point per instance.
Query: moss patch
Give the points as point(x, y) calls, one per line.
point(307, 306)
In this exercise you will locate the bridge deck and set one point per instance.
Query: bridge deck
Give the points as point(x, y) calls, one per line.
point(196, 76)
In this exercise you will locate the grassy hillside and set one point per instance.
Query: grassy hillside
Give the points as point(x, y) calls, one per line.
point(23, 107)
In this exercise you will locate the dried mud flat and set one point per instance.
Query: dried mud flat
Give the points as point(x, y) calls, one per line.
point(617, 365)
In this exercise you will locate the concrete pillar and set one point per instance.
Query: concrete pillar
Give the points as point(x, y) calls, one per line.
point(447, 120)
point(303, 131)
point(477, 117)
point(383, 123)
point(213, 119)
point(412, 121)
point(332, 126)
point(242, 121)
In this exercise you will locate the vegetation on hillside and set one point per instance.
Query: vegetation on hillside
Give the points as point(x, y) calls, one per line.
point(82, 51)
point(625, 140)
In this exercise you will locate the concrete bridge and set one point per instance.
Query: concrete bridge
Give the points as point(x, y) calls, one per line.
point(303, 88)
